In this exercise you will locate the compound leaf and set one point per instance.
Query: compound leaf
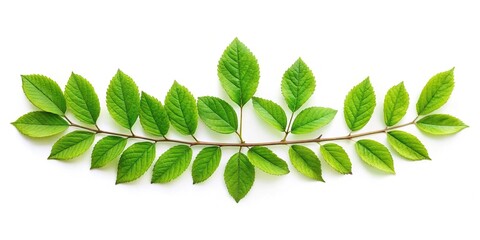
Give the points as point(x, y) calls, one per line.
point(106, 150)
point(135, 161)
point(217, 114)
point(123, 100)
point(239, 176)
point(359, 105)
point(82, 99)
point(306, 162)
point(181, 109)
point(336, 157)
point(375, 154)
point(44, 93)
point(436, 92)
point(311, 119)
point(153, 117)
point(72, 145)
point(298, 85)
point(40, 124)
point(407, 145)
point(440, 124)
point(271, 113)
point(267, 161)
point(395, 105)
point(206, 163)
point(171, 164)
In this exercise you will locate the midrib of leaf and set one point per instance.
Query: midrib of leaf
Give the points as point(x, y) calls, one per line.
point(75, 144)
point(180, 104)
point(413, 150)
point(376, 156)
point(340, 163)
point(214, 111)
point(44, 94)
point(127, 109)
point(157, 123)
point(83, 96)
point(392, 112)
point(129, 168)
point(358, 107)
point(270, 162)
point(435, 96)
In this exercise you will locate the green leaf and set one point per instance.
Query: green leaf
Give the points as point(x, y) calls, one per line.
point(359, 105)
point(171, 164)
point(135, 161)
point(436, 93)
point(336, 157)
point(239, 176)
point(375, 155)
point(407, 145)
point(440, 124)
point(267, 161)
point(395, 105)
point(153, 117)
point(311, 119)
point(298, 85)
point(306, 162)
point(44, 93)
point(72, 145)
point(40, 124)
point(206, 163)
point(123, 100)
point(238, 72)
point(106, 150)
point(271, 113)
point(82, 99)
point(181, 109)
point(217, 114)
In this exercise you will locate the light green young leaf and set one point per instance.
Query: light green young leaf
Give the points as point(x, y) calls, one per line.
point(153, 117)
point(72, 145)
point(239, 176)
point(440, 124)
point(181, 109)
point(298, 84)
point(359, 105)
point(336, 157)
point(40, 124)
point(267, 161)
point(135, 161)
point(238, 72)
point(375, 154)
point(106, 150)
point(306, 162)
point(395, 105)
point(123, 100)
point(82, 99)
point(271, 113)
point(436, 92)
point(171, 164)
point(217, 114)
point(206, 163)
point(44, 93)
point(407, 145)
point(311, 119)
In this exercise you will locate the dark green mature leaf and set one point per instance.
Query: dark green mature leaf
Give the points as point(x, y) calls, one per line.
point(123, 100)
point(40, 124)
point(306, 162)
point(336, 157)
point(311, 119)
point(44, 93)
point(238, 72)
point(440, 124)
point(135, 161)
point(298, 84)
point(239, 176)
point(375, 155)
point(217, 114)
point(407, 145)
point(206, 163)
point(82, 99)
point(359, 105)
point(72, 145)
point(106, 150)
point(436, 93)
point(395, 105)
point(171, 164)
point(271, 113)
point(153, 117)
point(267, 161)
point(182, 109)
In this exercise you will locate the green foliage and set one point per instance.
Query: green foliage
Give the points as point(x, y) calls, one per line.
point(44, 93)
point(311, 119)
point(217, 114)
point(267, 161)
point(72, 145)
point(359, 105)
point(239, 75)
point(239, 176)
point(153, 117)
point(206, 163)
point(271, 113)
point(40, 124)
point(123, 100)
point(436, 93)
point(171, 164)
point(440, 124)
point(238, 72)
point(395, 105)
point(182, 109)
point(298, 85)
point(82, 99)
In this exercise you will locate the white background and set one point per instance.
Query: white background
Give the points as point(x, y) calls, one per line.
point(155, 43)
